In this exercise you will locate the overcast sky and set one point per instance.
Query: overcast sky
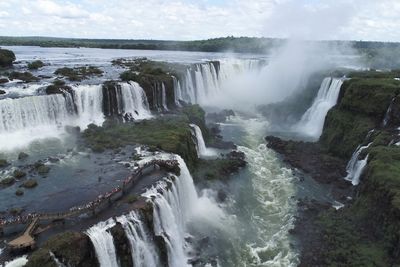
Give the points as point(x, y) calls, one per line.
point(201, 19)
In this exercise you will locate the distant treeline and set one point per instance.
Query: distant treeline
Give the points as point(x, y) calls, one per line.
point(377, 54)
point(240, 45)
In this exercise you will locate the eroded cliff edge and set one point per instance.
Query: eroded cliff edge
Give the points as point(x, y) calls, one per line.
point(366, 231)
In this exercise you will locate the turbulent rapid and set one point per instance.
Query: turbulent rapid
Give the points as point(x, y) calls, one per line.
point(185, 225)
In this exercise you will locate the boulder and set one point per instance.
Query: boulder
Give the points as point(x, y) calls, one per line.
point(7, 58)
point(22, 156)
point(31, 183)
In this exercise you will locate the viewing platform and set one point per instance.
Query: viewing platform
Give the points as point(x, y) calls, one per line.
point(27, 240)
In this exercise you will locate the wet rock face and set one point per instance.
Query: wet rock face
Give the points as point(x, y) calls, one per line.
point(310, 158)
point(71, 248)
point(122, 246)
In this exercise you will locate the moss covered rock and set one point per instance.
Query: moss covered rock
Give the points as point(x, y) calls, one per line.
point(7, 57)
point(122, 245)
point(71, 248)
point(23, 76)
point(31, 183)
point(18, 174)
point(3, 163)
point(171, 134)
point(7, 181)
point(34, 65)
point(80, 73)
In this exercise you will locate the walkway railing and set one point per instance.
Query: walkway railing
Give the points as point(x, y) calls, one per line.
point(91, 206)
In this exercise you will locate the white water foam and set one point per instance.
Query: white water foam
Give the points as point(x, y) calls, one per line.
point(202, 150)
point(103, 243)
point(356, 166)
point(18, 262)
point(134, 101)
point(143, 250)
point(312, 122)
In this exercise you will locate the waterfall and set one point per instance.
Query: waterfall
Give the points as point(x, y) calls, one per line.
point(25, 119)
point(202, 150)
point(89, 104)
point(143, 250)
point(134, 101)
point(177, 91)
point(103, 243)
point(56, 261)
point(387, 114)
point(171, 212)
point(312, 122)
point(164, 97)
point(18, 262)
point(175, 204)
point(31, 112)
point(205, 81)
point(356, 166)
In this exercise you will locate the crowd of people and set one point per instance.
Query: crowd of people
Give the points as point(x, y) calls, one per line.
point(89, 206)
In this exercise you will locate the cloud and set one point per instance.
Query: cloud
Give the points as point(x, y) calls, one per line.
point(190, 19)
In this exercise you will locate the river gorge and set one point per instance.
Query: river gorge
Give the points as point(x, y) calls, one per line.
point(168, 158)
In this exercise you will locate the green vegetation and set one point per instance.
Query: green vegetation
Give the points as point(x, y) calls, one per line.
point(7, 58)
point(131, 199)
point(367, 231)
point(171, 134)
point(23, 76)
point(147, 73)
point(72, 248)
point(78, 74)
point(240, 44)
point(221, 168)
point(362, 107)
point(35, 65)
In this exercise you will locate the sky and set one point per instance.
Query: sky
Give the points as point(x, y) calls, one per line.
point(202, 19)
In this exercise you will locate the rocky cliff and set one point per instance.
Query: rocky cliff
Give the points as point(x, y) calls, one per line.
point(366, 232)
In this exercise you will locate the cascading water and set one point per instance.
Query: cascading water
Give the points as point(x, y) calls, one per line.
point(103, 243)
point(387, 114)
point(134, 101)
point(356, 166)
point(175, 205)
point(206, 81)
point(164, 97)
point(89, 105)
point(25, 119)
point(177, 91)
point(202, 150)
point(56, 261)
point(18, 262)
point(312, 122)
point(143, 250)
